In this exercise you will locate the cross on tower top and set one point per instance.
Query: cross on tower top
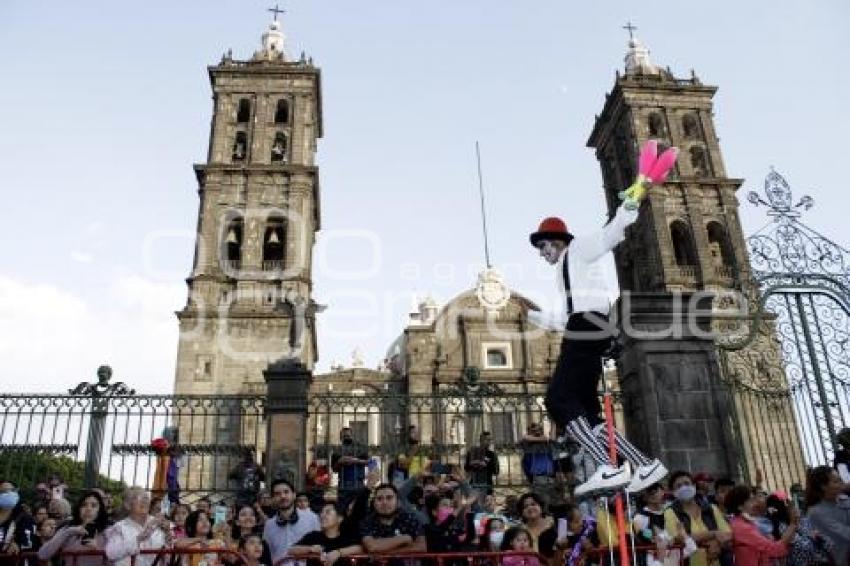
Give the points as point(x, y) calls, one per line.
point(631, 28)
point(276, 11)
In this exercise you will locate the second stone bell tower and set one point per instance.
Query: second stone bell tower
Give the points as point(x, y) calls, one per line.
point(250, 288)
point(683, 263)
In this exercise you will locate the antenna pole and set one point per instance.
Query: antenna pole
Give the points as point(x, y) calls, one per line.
point(483, 213)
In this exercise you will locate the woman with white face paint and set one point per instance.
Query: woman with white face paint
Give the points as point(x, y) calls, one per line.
point(572, 399)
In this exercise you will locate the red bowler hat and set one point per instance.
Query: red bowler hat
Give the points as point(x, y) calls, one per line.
point(551, 228)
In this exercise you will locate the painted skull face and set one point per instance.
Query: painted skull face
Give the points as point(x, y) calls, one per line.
point(550, 251)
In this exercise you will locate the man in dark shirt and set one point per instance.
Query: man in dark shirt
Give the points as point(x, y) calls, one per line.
point(350, 465)
point(482, 464)
point(389, 530)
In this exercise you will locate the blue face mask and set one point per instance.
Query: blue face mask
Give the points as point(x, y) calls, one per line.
point(9, 499)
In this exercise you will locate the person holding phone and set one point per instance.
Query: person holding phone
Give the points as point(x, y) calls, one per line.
point(85, 533)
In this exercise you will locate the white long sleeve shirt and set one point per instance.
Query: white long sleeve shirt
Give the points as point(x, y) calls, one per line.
point(122, 543)
point(589, 271)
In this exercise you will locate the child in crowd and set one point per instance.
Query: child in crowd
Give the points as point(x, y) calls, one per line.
point(252, 551)
point(518, 539)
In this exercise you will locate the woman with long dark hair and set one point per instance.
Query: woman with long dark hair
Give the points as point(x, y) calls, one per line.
point(828, 512)
point(89, 520)
point(751, 547)
point(199, 535)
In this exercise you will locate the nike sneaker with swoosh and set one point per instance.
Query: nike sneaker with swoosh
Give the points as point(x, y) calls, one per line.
point(647, 475)
point(606, 477)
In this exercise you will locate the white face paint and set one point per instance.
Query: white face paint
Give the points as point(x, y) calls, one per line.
point(550, 251)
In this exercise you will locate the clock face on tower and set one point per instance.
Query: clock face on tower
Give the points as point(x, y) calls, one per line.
point(491, 291)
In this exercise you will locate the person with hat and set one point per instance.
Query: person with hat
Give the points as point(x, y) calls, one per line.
point(572, 399)
point(704, 484)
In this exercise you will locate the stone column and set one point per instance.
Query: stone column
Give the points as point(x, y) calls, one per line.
point(288, 382)
point(676, 407)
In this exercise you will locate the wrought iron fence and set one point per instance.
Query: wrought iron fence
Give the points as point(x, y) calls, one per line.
point(789, 368)
point(92, 439)
point(102, 436)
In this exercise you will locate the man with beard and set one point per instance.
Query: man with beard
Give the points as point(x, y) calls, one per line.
point(389, 530)
point(350, 465)
point(289, 525)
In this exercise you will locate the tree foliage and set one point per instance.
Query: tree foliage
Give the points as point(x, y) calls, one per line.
point(30, 468)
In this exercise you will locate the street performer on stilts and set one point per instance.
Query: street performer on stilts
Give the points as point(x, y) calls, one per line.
point(572, 398)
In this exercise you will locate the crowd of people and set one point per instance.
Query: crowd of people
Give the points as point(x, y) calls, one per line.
point(431, 508)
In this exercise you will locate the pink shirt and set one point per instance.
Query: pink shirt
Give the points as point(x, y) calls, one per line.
point(751, 547)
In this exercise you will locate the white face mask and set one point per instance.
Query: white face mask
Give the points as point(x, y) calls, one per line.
point(496, 538)
point(686, 493)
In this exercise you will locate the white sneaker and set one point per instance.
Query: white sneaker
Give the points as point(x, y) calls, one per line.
point(647, 475)
point(606, 477)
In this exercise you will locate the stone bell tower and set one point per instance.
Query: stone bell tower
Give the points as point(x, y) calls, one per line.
point(683, 264)
point(250, 288)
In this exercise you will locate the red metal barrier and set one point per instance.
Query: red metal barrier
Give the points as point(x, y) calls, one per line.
point(471, 558)
point(603, 554)
point(32, 557)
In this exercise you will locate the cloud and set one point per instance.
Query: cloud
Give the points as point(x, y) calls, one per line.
point(81, 257)
point(51, 339)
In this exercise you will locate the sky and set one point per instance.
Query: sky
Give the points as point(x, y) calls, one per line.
point(106, 105)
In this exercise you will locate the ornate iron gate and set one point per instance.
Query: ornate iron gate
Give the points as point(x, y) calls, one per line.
point(803, 279)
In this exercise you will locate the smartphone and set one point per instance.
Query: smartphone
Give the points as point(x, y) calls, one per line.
point(220, 514)
point(91, 530)
point(562, 529)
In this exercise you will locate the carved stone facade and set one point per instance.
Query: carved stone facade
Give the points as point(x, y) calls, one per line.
point(474, 364)
point(249, 301)
point(688, 238)
point(250, 288)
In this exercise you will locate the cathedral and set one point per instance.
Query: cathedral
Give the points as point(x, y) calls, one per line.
point(250, 299)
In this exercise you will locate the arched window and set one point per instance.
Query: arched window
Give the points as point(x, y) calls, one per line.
point(656, 126)
point(240, 146)
point(279, 148)
point(720, 245)
point(683, 244)
point(699, 161)
point(281, 114)
point(233, 243)
point(274, 240)
point(690, 127)
point(243, 113)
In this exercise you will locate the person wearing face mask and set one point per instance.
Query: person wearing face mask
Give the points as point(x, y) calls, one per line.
point(493, 535)
point(706, 525)
point(651, 526)
point(450, 527)
point(17, 529)
point(350, 464)
point(86, 531)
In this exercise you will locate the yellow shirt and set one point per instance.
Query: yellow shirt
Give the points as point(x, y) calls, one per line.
point(699, 558)
point(606, 528)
